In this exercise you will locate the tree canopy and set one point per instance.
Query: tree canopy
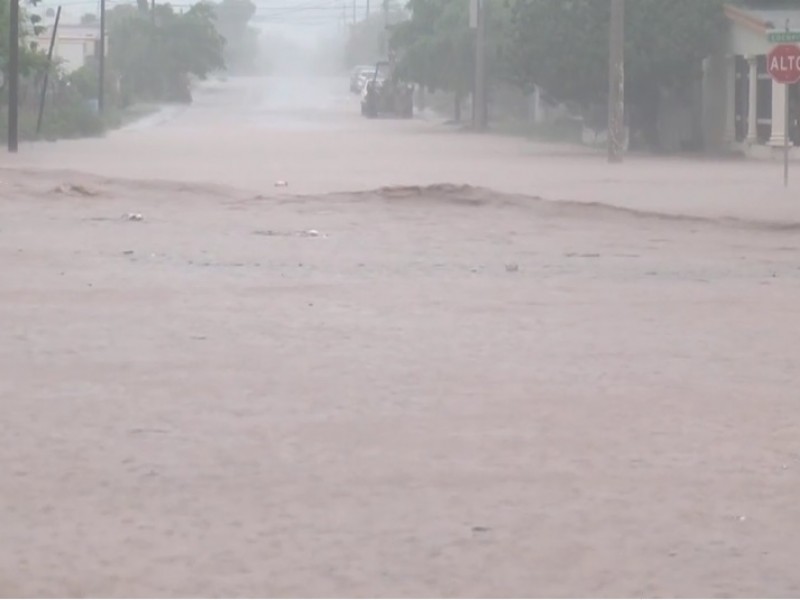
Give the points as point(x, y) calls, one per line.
point(29, 58)
point(366, 43)
point(232, 19)
point(435, 46)
point(561, 46)
point(154, 55)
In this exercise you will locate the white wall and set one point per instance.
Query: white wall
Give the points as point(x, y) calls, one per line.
point(74, 44)
point(72, 54)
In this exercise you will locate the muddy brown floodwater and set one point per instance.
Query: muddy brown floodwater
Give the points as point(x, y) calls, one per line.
point(562, 379)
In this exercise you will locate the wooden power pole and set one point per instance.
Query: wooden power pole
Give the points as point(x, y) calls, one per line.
point(43, 96)
point(480, 111)
point(384, 41)
point(13, 77)
point(616, 82)
point(101, 76)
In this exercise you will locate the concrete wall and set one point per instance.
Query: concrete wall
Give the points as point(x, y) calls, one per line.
point(74, 44)
point(745, 42)
point(713, 102)
point(72, 53)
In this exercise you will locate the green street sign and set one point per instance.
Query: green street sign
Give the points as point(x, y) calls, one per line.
point(784, 37)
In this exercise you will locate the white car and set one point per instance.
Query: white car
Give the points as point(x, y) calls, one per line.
point(358, 76)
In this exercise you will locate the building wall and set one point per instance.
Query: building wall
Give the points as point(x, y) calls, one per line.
point(745, 42)
point(72, 54)
point(713, 103)
point(74, 44)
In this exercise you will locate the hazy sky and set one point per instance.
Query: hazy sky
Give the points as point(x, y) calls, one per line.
point(306, 13)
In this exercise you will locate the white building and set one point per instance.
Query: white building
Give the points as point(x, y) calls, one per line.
point(74, 44)
point(743, 109)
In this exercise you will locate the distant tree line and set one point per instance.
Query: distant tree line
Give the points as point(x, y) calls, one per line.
point(152, 57)
point(156, 54)
point(561, 46)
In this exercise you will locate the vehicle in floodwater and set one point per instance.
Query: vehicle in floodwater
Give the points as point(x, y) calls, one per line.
point(386, 95)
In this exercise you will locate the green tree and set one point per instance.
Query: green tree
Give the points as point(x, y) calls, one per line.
point(368, 39)
point(30, 59)
point(562, 46)
point(241, 39)
point(435, 47)
point(155, 57)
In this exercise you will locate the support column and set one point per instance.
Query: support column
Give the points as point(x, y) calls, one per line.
point(752, 105)
point(729, 131)
point(778, 136)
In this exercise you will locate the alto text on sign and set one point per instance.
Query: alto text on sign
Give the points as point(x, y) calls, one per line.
point(783, 63)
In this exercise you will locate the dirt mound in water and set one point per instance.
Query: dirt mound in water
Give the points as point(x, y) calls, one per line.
point(446, 192)
point(469, 195)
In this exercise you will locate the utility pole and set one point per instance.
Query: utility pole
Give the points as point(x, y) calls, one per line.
point(13, 77)
point(101, 89)
point(43, 96)
point(480, 109)
point(367, 12)
point(385, 36)
point(354, 12)
point(616, 82)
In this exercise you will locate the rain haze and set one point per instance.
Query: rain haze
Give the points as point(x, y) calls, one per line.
point(446, 298)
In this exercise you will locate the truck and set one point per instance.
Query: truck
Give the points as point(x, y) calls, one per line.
point(386, 95)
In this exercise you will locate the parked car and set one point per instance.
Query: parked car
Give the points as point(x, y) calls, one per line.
point(386, 95)
point(359, 76)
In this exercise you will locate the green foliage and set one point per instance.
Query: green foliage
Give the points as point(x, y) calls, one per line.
point(559, 46)
point(155, 55)
point(562, 46)
point(241, 40)
point(435, 46)
point(67, 115)
point(29, 59)
point(151, 57)
point(364, 45)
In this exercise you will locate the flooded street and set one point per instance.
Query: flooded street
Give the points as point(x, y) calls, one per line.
point(517, 371)
point(250, 133)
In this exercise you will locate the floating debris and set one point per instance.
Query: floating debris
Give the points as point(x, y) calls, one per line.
point(74, 189)
point(304, 233)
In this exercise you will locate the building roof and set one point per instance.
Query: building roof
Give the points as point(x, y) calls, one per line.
point(765, 20)
point(73, 32)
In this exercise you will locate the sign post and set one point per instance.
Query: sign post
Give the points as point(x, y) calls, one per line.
point(783, 64)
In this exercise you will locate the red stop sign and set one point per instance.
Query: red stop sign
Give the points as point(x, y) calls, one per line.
point(783, 63)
